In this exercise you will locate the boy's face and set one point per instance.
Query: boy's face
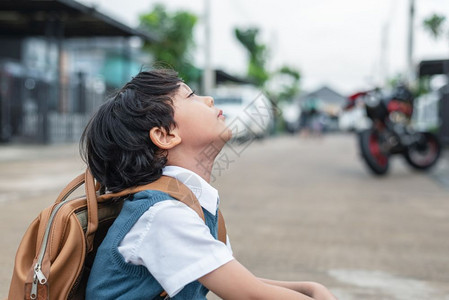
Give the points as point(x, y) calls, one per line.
point(198, 121)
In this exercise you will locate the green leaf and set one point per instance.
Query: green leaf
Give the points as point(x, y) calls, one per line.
point(434, 25)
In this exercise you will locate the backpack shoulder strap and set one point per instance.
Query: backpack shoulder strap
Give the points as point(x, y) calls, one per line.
point(177, 190)
point(166, 184)
point(222, 234)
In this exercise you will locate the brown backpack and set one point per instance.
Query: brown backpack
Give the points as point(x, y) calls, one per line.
point(55, 255)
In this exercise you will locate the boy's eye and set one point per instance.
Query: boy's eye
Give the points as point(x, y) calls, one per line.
point(191, 94)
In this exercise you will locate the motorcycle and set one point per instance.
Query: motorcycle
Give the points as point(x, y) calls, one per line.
point(390, 131)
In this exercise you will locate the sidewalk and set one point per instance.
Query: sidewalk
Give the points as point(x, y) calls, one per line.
point(10, 153)
point(33, 170)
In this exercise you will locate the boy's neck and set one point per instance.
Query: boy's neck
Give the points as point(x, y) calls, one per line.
point(202, 171)
point(192, 160)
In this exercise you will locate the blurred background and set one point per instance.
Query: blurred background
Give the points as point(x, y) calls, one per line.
point(296, 81)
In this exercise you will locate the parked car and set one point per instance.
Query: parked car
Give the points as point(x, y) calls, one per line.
point(248, 112)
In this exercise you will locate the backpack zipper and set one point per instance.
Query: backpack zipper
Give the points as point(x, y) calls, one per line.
point(39, 276)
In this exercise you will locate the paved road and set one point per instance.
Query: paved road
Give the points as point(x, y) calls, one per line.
point(296, 209)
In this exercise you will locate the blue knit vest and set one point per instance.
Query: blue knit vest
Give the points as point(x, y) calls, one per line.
point(113, 278)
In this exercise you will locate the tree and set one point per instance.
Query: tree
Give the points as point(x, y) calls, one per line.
point(175, 40)
point(283, 84)
point(434, 24)
point(257, 54)
point(290, 83)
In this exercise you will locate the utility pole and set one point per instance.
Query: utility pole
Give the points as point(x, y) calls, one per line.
point(208, 72)
point(410, 65)
point(384, 54)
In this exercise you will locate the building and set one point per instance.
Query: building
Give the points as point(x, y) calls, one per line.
point(320, 109)
point(58, 58)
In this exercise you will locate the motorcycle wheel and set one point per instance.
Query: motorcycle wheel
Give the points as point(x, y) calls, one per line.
point(376, 160)
point(424, 154)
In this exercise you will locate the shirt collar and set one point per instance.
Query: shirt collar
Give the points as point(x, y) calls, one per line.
point(204, 192)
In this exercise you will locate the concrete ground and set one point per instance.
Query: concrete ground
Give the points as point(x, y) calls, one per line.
point(296, 209)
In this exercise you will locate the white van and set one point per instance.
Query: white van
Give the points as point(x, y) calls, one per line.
point(248, 112)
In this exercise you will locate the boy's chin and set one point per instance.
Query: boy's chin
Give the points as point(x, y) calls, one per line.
point(226, 135)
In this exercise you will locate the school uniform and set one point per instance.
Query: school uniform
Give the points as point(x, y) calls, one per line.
point(158, 243)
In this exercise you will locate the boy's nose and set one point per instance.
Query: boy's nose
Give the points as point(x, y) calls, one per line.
point(209, 100)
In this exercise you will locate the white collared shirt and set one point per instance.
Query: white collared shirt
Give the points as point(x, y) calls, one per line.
point(156, 238)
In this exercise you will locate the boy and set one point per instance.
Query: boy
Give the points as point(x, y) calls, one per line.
point(157, 126)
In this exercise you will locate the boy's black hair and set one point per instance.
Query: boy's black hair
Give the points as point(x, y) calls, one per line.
point(116, 144)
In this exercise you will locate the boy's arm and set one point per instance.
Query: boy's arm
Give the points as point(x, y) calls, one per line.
point(311, 289)
point(234, 281)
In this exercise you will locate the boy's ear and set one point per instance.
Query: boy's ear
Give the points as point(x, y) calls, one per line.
point(163, 139)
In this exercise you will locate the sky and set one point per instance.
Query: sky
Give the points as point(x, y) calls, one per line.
point(333, 43)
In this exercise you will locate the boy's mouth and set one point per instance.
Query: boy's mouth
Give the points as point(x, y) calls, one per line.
point(220, 113)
